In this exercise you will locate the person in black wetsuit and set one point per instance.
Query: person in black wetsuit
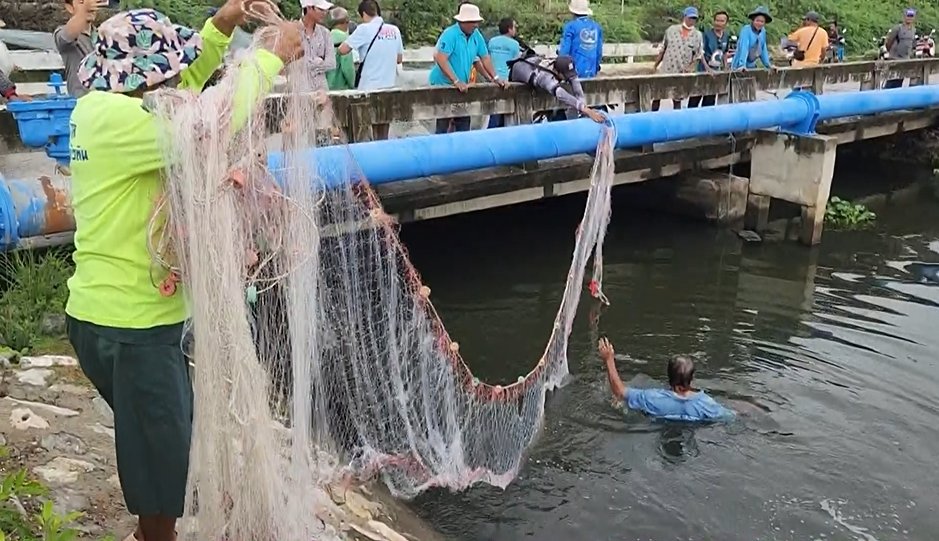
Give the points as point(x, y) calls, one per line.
point(547, 75)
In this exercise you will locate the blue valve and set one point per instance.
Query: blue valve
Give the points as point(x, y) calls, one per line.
point(56, 82)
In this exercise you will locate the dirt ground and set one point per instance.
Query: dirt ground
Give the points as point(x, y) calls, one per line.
point(54, 424)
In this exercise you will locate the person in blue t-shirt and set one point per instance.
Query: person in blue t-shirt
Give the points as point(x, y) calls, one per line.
point(503, 48)
point(582, 40)
point(751, 42)
point(460, 47)
point(679, 403)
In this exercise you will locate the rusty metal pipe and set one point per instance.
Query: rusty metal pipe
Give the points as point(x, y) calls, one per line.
point(34, 208)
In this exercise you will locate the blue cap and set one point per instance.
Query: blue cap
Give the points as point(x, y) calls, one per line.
point(690, 12)
point(910, 12)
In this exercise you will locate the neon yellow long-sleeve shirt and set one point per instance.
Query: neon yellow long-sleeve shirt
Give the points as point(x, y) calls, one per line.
point(116, 180)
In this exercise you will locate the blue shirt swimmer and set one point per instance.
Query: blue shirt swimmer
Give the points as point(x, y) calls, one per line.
point(679, 403)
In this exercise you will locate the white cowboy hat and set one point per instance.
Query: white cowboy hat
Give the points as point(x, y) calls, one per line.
point(468, 14)
point(580, 7)
point(320, 4)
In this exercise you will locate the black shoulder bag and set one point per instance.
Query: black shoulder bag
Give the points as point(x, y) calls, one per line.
point(358, 69)
point(799, 54)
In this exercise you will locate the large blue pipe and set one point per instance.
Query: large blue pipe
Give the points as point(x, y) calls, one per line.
point(403, 159)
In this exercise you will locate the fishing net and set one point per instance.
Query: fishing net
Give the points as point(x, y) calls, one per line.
point(318, 354)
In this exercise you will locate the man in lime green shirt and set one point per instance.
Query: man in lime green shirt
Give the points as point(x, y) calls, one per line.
point(343, 77)
point(125, 314)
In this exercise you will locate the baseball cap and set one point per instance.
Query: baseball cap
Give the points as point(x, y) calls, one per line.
point(564, 65)
point(910, 12)
point(690, 12)
point(811, 16)
point(320, 4)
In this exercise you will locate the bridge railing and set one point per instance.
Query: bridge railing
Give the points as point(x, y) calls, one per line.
point(357, 111)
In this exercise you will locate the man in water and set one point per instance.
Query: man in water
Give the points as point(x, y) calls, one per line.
point(547, 75)
point(679, 403)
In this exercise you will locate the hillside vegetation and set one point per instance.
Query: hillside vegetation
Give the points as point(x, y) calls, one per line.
point(629, 21)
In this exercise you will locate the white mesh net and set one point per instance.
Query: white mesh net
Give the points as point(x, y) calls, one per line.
point(341, 368)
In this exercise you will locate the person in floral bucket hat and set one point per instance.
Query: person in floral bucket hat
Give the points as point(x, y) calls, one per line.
point(126, 330)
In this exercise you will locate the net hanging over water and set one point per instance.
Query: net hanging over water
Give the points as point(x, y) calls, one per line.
point(335, 364)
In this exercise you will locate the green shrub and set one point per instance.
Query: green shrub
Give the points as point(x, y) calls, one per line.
point(32, 286)
point(630, 21)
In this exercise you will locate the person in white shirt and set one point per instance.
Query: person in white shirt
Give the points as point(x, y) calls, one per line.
point(380, 50)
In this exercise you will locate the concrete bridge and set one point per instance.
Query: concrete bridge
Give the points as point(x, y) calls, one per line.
point(796, 168)
point(439, 196)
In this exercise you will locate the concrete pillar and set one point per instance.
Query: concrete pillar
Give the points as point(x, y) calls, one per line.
point(718, 196)
point(794, 168)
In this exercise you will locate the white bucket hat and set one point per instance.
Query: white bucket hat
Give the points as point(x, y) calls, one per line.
point(469, 13)
point(319, 4)
point(580, 7)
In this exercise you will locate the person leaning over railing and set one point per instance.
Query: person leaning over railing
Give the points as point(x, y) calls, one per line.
point(716, 44)
point(457, 49)
point(751, 42)
point(126, 330)
point(682, 50)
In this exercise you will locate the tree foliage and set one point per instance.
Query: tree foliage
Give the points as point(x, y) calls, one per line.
point(540, 21)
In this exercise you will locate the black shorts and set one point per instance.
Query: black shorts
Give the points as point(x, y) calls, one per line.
point(144, 376)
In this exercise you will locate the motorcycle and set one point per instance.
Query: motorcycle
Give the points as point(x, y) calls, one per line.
point(925, 45)
point(834, 45)
point(721, 59)
point(882, 52)
point(731, 51)
point(789, 48)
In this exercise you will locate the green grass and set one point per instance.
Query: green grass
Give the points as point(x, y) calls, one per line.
point(26, 513)
point(32, 286)
point(541, 20)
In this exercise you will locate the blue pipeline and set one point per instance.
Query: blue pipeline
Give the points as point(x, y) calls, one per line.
point(415, 157)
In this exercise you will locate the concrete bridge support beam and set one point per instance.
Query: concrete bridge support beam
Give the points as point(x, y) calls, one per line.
point(794, 168)
point(719, 195)
point(714, 196)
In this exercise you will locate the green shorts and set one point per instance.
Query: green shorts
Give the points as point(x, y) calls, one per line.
point(143, 375)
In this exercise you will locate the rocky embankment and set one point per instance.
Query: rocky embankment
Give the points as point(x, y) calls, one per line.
point(42, 16)
point(56, 426)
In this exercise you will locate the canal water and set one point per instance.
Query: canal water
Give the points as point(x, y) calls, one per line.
point(831, 351)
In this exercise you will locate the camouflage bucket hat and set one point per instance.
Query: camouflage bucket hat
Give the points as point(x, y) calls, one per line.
point(137, 49)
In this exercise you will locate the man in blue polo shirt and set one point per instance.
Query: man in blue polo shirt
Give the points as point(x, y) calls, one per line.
point(459, 47)
point(679, 403)
point(502, 49)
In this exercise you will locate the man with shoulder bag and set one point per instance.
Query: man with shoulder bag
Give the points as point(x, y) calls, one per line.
point(810, 41)
point(380, 49)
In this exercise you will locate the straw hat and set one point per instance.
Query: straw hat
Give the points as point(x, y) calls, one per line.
point(469, 13)
point(580, 7)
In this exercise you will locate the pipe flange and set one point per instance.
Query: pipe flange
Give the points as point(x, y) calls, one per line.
point(806, 126)
point(9, 226)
